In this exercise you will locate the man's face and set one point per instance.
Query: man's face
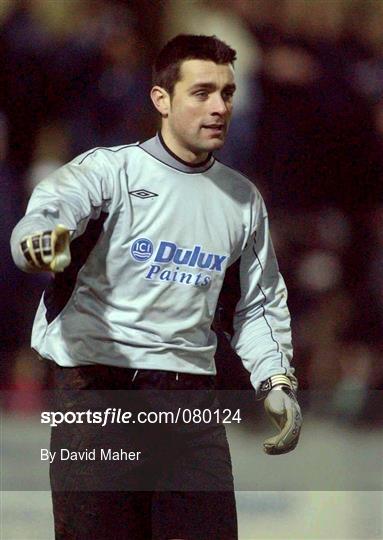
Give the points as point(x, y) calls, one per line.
point(200, 108)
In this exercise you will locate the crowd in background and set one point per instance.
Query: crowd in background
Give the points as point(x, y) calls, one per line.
point(307, 128)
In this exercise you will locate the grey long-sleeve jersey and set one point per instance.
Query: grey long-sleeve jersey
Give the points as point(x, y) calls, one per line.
point(151, 239)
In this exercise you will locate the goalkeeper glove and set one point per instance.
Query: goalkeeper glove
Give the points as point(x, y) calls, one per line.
point(47, 250)
point(283, 409)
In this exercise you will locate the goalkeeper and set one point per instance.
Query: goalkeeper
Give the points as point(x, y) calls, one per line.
point(139, 238)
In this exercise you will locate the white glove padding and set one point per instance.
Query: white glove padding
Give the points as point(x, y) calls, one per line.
point(48, 250)
point(285, 413)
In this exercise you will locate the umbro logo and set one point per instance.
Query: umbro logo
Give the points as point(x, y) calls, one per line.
point(143, 194)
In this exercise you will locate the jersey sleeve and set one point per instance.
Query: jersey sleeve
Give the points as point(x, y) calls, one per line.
point(262, 335)
point(71, 196)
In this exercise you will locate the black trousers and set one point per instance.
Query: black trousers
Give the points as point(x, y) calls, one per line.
point(181, 484)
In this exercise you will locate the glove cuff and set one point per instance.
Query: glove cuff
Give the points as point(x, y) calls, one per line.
point(283, 381)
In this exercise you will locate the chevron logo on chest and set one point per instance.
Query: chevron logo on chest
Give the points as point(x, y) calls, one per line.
point(143, 194)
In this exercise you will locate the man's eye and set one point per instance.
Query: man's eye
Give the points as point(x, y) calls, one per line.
point(227, 96)
point(201, 93)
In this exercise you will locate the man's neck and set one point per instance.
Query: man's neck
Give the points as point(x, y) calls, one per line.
point(183, 154)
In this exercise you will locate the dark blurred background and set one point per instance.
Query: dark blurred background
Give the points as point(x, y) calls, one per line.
point(307, 128)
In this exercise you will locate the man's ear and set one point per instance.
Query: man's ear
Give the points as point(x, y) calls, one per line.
point(161, 100)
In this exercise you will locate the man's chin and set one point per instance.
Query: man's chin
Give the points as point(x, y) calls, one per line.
point(215, 144)
point(206, 147)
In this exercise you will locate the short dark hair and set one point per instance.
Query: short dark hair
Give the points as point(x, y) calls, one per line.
point(166, 68)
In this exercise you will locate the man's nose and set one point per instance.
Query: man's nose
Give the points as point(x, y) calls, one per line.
point(219, 105)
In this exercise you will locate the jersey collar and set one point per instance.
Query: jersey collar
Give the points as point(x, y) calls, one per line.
point(157, 148)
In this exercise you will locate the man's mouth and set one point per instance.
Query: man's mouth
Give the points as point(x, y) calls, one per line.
point(215, 128)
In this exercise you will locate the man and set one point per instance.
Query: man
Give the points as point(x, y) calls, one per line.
point(140, 238)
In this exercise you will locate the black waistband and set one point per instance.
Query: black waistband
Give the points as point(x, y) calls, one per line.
point(103, 377)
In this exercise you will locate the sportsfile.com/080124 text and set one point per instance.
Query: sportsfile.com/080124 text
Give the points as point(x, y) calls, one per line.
point(119, 416)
